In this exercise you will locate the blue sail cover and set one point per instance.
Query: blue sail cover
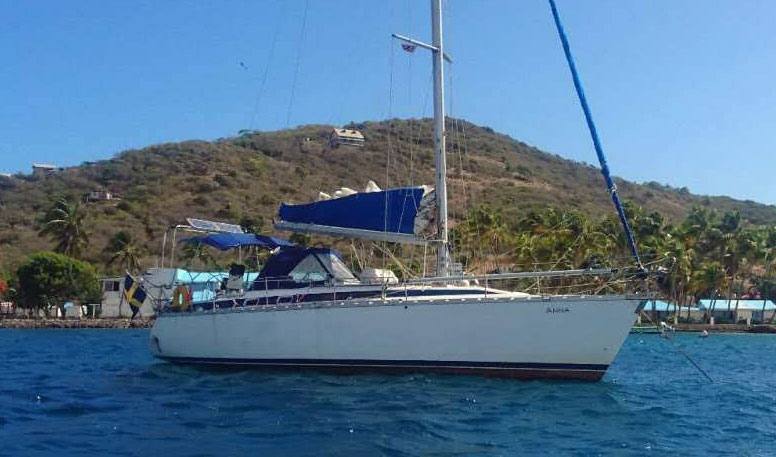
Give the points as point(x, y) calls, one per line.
point(225, 241)
point(392, 211)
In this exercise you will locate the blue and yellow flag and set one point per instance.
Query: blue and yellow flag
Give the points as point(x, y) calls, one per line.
point(134, 293)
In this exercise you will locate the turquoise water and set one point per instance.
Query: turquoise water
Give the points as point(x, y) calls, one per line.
point(98, 392)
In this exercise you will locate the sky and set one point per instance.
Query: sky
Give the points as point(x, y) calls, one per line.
point(683, 91)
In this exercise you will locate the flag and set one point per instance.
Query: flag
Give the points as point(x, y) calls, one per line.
point(134, 293)
point(408, 47)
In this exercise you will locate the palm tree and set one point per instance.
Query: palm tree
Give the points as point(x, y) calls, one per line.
point(124, 251)
point(65, 225)
point(698, 221)
point(709, 280)
point(481, 234)
point(768, 252)
point(741, 246)
point(680, 268)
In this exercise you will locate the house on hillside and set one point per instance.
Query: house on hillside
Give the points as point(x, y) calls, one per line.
point(6, 181)
point(100, 196)
point(310, 144)
point(43, 169)
point(346, 137)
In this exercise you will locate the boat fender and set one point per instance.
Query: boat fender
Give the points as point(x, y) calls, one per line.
point(181, 298)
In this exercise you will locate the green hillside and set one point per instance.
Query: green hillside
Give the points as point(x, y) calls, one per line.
point(245, 178)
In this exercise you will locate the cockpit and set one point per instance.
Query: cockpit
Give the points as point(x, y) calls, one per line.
point(298, 267)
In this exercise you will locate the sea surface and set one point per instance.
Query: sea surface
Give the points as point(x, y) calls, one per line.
point(99, 392)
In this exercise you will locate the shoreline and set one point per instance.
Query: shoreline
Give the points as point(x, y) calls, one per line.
point(717, 328)
point(116, 323)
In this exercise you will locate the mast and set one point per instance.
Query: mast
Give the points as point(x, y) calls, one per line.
point(437, 56)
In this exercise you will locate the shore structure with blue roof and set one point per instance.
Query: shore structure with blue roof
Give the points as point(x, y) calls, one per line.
point(738, 310)
point(659, 310)
point(720, 311)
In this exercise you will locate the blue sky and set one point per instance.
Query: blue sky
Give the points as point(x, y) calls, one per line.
point(683, 91)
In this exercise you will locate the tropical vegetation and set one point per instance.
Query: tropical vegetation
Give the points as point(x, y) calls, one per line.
point(65, 224)
point(48, 280)
point(709, 254)
point(512, 207)
point(124, 252)
point(243, 179)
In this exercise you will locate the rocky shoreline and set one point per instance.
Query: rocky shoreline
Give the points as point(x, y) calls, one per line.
point(51, 323)
point(717, 328)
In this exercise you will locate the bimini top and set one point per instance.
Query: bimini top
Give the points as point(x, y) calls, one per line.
point(226, 241)
point(399, 215)
point(295, 267)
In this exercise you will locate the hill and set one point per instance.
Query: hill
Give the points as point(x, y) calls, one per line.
point(246, 177)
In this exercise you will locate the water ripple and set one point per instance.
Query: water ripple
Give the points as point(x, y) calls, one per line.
point(99, 392)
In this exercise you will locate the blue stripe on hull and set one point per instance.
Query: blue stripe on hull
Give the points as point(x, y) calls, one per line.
point(588, 372)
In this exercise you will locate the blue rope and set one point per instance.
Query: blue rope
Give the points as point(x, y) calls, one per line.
point(596, 142)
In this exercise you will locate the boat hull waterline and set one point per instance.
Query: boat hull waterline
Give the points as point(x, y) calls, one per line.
point(508, 337)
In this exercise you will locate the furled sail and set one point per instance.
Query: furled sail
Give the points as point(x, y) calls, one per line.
point(402, 215)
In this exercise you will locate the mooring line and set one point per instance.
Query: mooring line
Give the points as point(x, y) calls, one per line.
point(668, 338)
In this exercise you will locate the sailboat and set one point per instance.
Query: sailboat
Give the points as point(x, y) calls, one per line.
point(307, 310)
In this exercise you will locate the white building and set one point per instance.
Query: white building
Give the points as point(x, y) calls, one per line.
point(100, 196)
point(735, 311)
point(658, 311)
point(43, 169)
point(346, 137)
point(113, 302)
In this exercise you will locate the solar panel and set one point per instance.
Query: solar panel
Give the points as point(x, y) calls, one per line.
point(212, 226)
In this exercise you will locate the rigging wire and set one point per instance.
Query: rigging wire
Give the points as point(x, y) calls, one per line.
point(459, 129)
point(472, 199)
point(351, 59)
point(456, 125)
point(416, 142)
point(390, 145)
point(267, 66)
point(411, 161)
point(298, 60)
point(409, 91)
point(400, 160)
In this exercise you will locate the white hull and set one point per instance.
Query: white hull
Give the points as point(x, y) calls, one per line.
point(507, 336)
